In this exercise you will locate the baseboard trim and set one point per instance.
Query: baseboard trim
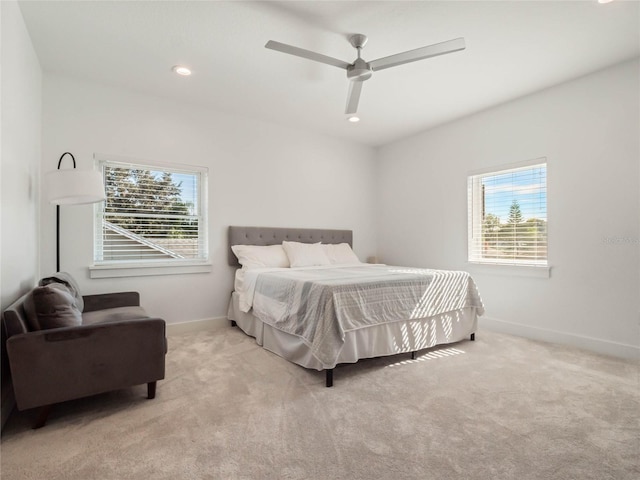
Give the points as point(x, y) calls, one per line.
point(197, 325)
point(598, 345)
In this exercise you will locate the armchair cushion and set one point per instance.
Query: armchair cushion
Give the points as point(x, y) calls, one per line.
point(113, 315)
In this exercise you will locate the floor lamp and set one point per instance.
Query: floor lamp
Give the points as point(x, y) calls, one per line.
point(72, 187)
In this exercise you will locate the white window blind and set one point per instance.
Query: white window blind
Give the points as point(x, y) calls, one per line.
point(153, 214)
point(507, 212)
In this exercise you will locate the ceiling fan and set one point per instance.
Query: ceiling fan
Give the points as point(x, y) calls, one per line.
point(360, 70)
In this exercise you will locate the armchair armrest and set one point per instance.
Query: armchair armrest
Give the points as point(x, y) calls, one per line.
point(51, 366)
point(110, 300)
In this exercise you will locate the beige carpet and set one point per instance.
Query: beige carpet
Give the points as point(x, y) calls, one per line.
point(498, 408)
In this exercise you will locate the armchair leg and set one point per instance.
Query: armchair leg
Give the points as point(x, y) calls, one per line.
point(42, 417)
point(151, 390)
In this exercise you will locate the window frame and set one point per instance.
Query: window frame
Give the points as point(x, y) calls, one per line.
point(138, 267)
point(475, 198)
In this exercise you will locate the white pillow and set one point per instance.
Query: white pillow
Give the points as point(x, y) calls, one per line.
point(306, 254)
point(341, 254)
point(256, 256)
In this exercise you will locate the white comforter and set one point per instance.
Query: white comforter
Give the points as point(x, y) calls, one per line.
point(321, 304)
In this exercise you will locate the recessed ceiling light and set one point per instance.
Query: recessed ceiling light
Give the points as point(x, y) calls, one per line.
point(605, 1)
point(181, 70)
point(353, 119)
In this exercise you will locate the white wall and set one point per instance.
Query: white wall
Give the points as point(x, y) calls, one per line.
point(20, 137)
point(259, 174)
point(21, 150)
point(589, 131)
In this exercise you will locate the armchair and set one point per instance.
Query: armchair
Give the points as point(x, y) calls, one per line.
point(115, 346)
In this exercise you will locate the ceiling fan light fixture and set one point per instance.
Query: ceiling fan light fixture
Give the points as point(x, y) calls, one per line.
point(181, 70)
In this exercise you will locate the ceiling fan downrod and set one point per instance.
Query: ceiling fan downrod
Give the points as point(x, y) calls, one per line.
point(360, 70)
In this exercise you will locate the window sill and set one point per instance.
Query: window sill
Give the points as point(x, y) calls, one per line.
point(536, 271)
point(140, 270)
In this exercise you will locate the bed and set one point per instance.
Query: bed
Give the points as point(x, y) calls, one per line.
point(322, 314)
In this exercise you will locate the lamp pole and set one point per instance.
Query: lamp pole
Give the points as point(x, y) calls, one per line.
point(58, 213)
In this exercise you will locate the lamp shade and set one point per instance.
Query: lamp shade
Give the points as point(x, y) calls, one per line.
point(74, 187)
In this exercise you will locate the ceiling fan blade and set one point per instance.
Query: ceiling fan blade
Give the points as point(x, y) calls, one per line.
point(418, 54)
point(353, 97)
point(301, 52)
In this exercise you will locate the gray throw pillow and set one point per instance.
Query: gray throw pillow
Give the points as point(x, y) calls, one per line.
point(54, 306)
point(66, 279)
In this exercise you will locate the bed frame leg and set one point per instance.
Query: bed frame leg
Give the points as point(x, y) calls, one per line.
point(473, 337)
point(233, 323)
point(413, 355)
point(329, 376)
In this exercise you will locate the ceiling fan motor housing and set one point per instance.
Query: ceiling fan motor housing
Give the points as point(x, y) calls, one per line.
point(359, 71)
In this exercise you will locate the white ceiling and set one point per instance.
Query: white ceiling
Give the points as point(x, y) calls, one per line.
point(513, 48)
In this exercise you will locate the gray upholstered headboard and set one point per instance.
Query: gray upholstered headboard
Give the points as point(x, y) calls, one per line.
point(275, 236)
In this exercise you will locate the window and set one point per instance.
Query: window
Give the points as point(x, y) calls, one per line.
point(508, 215)
point(153, 215)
